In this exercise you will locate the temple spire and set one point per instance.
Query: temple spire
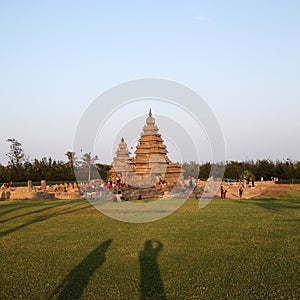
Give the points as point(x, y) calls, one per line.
point(151, 162)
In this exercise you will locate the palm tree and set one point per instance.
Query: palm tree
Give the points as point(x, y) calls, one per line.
point(88, 161)
point(71, 158)
point(71, 161)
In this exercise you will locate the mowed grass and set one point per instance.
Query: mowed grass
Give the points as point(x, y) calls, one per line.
point(231, 249)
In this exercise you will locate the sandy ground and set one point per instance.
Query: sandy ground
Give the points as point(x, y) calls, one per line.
point(265, 188)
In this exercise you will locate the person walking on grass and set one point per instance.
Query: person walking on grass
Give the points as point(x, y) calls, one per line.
point(241, 191)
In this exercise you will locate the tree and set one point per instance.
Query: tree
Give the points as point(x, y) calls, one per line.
point(265, 168)
point(205, 171)
point(16, 154)
point(103, 171)
point(87, 161)
point(247, 174)
point(71, 161)
point(234, 170)
point(16, 159)
point(3, 174)
point(71, 158)
point(191, 169)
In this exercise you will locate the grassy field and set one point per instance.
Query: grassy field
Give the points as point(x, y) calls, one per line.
point(231, 249)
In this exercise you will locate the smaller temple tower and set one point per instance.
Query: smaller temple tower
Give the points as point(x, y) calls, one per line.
point(121, 164)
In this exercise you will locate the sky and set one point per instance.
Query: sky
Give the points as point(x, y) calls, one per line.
point(241, 57)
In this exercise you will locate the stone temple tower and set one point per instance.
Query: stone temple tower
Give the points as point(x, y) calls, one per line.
point(151, 163)
point(151, 153)
point(121, 164)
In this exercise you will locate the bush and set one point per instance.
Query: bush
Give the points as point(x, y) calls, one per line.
point(289, 181)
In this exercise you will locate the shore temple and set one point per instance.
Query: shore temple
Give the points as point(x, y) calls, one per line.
point(151, 164)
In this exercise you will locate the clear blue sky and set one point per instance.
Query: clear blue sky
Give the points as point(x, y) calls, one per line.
point(242, 57)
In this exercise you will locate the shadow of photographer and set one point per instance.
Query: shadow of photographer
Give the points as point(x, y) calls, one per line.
point(151, 284)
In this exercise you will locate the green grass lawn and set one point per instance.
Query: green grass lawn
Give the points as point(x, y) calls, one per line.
point(231, 249)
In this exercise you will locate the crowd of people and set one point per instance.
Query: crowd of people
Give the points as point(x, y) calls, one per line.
point(100, 187)
point(245, 183)
point(7, 185)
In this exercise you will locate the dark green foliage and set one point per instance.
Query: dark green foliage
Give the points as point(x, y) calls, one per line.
point(49, 170)
point(103, 171)
point(21, 169)
point(16, 158)
point(234, 170)
point(16, 155)
point(204, 171)
point(238, 170)
point(289, 181)
point(263, 168)
point(191, 169)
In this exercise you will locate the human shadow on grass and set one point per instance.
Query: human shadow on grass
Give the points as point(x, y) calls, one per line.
point(43, 218)
point(11, 206)
point(11, 209)
point(151, 284)
point(73, 285)
point(53, 205)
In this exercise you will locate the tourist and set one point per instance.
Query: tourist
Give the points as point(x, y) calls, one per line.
point(119, 197)
point(222, 191)
point(224, 194)
point(241, 191)
point(194, 183)
point(118, 181)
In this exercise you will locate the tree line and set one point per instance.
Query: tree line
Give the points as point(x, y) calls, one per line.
point(20, 168)
point(266, 169)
